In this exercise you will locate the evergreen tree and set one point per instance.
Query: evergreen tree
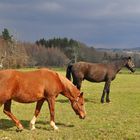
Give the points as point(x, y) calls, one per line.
point(6, 35)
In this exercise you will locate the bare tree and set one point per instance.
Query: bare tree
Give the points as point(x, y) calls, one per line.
point(1, 60)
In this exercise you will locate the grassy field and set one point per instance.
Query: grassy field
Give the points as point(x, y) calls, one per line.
point(119, 120)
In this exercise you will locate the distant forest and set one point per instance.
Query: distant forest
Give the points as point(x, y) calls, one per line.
point(53, 52)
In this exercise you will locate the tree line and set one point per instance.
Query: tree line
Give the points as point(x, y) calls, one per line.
point(51, 52)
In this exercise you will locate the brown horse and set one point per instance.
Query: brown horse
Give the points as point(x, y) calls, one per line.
point(37, 86)
point(95, 72)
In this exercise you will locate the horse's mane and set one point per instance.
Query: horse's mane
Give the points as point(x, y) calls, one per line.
point(65, 81)
point(68, 85)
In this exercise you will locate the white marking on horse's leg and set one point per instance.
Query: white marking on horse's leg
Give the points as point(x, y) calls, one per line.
point(52, 123)
point(32, 123)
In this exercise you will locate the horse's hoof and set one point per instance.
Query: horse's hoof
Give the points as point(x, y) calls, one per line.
point(102, 101)
point(32, 127)
point(108, 101)
point(52, 123)
point(56, 128)
point(19, 129)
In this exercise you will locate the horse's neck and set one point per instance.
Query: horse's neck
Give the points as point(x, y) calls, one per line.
point(70, 92)
point(69, 96)
point(118, 65)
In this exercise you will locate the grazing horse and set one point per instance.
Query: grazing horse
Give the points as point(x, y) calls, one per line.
point(37, 86)
point(98, 72)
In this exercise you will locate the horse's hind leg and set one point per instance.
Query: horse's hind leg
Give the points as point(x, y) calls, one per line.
point(77, 83)
point(7, 111)
point(37, 111)
point(103, 95)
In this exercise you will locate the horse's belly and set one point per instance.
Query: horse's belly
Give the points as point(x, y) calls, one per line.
point(27, 98)
point(95, 79)
point(96, 76)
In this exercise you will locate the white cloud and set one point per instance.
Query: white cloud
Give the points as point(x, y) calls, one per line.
point(49, 6)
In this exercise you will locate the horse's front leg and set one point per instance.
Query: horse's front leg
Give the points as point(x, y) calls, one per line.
point(37, 111)
point(7, 111)
point(51, 103)
point(106, 90)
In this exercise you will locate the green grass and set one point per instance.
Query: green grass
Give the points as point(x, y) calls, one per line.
point(119, 120)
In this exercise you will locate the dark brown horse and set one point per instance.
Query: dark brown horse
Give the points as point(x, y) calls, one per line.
point(95, 72)
point(37, 86)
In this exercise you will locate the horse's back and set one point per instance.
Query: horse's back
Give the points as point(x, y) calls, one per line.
point(43, 81)
point(29, 86)
point(85, 66)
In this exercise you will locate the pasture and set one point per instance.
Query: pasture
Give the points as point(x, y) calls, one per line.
point(118, 120)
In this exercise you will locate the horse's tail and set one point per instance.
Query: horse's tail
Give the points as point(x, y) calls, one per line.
point(68, 71)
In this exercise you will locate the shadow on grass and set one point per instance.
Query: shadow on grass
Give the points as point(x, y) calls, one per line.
point(50, 128)
point(86, 100)
point(6, 124)
point(91, 101)
point(62, 100)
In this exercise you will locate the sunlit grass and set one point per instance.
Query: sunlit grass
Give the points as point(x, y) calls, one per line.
point(119, 120)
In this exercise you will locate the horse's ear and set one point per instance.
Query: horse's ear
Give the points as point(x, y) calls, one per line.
point(81, 94)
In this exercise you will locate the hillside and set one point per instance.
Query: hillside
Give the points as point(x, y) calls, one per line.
point(57, 52)
point(137, 49)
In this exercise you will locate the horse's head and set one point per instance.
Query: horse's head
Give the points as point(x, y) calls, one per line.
point(78, 106)
point(129, 64)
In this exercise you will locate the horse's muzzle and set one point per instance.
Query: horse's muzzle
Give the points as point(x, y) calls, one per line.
point(82, 117)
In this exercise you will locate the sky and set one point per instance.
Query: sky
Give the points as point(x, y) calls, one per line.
point(98, 23)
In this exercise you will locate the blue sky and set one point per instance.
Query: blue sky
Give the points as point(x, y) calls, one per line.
point(98, 23)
